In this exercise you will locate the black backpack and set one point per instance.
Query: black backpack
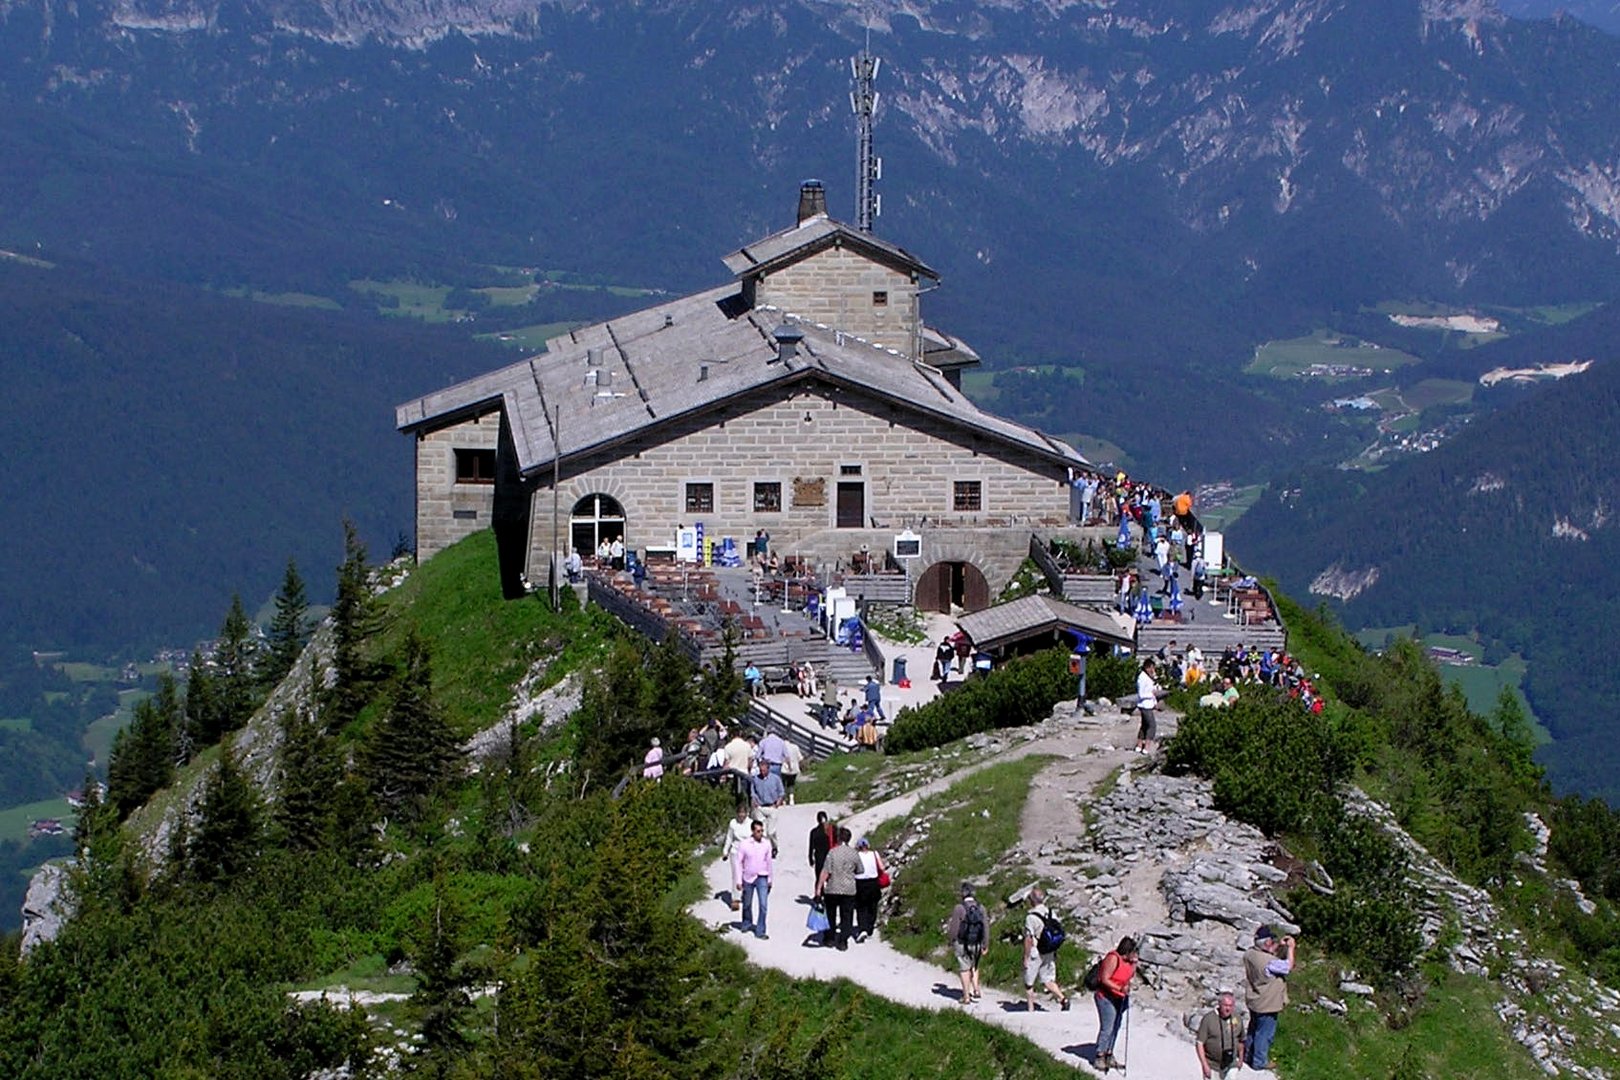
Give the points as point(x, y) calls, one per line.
point(970, 932)
point(1093, 979)
point(1052, 937)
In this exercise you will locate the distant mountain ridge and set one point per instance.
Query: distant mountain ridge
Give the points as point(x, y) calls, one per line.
point(1142, 189)
point(1604, 14)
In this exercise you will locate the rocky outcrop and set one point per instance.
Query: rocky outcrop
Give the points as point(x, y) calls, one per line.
point(47, 905)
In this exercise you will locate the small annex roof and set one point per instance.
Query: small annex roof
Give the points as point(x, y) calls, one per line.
point(1032, 616)
point(602, 384)
point(818, 233)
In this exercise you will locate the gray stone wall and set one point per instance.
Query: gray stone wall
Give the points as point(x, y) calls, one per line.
point(445, 510)
point(836, 288)
point(906, 463)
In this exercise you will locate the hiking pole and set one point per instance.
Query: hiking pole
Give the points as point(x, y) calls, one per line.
point(1127, 1037)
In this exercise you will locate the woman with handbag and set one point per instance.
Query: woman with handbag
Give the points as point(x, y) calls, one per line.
point(869, 883)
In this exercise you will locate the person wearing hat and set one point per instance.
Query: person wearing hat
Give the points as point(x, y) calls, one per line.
point(1265, 974)
point(653, 763)
point(969, 931)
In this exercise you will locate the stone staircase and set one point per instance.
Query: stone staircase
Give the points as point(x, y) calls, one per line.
point(1211, 633)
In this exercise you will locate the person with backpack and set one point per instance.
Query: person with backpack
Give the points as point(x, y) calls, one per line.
point(1111, 981)
point(1043, 937)
point(969, 932)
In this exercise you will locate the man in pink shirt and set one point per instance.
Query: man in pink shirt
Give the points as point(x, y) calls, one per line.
point(754, 873)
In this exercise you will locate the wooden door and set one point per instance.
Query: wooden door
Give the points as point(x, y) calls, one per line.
point(851, 504)
point(934, 589)
point(975, 590)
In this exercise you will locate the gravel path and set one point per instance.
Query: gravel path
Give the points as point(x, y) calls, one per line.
point(1158, 1050)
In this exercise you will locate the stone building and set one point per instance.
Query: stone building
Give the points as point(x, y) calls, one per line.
point(806, 397)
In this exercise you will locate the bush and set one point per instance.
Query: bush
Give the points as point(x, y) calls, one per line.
point(1275, 764)
point(1016, 695)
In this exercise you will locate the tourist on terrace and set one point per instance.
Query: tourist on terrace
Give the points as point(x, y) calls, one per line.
point(754, 679)
point(653, 763)
point(1147, 703)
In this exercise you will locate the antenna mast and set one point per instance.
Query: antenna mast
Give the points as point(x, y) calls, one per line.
point(863, 100)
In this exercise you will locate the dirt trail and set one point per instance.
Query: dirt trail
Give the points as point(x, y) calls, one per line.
point(1159, 1048)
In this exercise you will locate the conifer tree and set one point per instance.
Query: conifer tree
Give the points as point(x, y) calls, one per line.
point(229, 826)
point(201, 726)
point(233, 660)
point(412, 753)
point(144, 753)
point(351, 623)
point(441, 1000)
point(289, 629)
point(304, 808)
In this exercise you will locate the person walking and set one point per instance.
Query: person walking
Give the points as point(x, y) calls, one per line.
point(836, 886)
point(968, 929)
point(867, 890)
point(1266, 968)
point(772, 750)
point(755, 863)
point(1113, 996)
point(767, 794)
point(1220, 1040)
point(1040, 952)
point(1147, 704)
point(792, 763)
point(829, 702)
point(823, 838)
point(874, 697)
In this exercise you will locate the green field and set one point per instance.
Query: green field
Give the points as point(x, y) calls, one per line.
point(98, 736)
point(1287, 359)
point(530, 338)
point(14, 820)
point(16, 723)
point(1221, 517)
point(287, 299)
point(1432, 392)
point(1481, 683)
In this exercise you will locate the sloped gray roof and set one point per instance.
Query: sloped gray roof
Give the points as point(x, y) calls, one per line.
point(649, 371)
point(1007, 623)
point(812, 235)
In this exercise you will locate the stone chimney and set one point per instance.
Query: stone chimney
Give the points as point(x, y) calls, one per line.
point(812, 200)
point(787, 338)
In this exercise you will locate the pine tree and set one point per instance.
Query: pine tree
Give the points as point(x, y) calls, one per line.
point(351, 623)
point(143, 754)
point(233, 659)
point(309, 774)
point(229, 825)
point(441, 1000)
point(201, 726)
point(289, 629)
point(412, 753)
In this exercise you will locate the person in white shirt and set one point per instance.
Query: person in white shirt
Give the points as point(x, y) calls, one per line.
point(792, 762)
point(1147, 703)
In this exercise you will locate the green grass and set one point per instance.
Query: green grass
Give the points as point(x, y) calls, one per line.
point(1454, 1033)
point(1432, 392)
point(1558, 314)
point(1481, 683)
point(1095, 449)
point(16, 723)
point(14, 820)
point(366, 973)
point(1286, 359)
point(974, 825)
point(79, 671)
point(287, 299)
point(531, 338)
point(856, 779)
point(482, 645)
point(416, 300)
point(98, 737)
point(1222, 517)
point(980, 385)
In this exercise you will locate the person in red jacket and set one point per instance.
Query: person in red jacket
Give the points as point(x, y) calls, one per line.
point(1113, 998)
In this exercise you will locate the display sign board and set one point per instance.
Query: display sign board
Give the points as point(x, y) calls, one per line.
point(686, 543)
point(907, 545)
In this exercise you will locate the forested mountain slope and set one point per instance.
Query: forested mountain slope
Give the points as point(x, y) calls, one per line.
point(1509, 529)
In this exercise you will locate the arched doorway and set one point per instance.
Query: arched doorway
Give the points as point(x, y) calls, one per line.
point(595, 520)
point(945, 585)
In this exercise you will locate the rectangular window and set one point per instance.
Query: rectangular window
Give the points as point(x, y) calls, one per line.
point(700, 498)
point(967, 496)
point(768, 497)
point(880, 298)
point(464, 515)
point(475, 466)
point(849, 470)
